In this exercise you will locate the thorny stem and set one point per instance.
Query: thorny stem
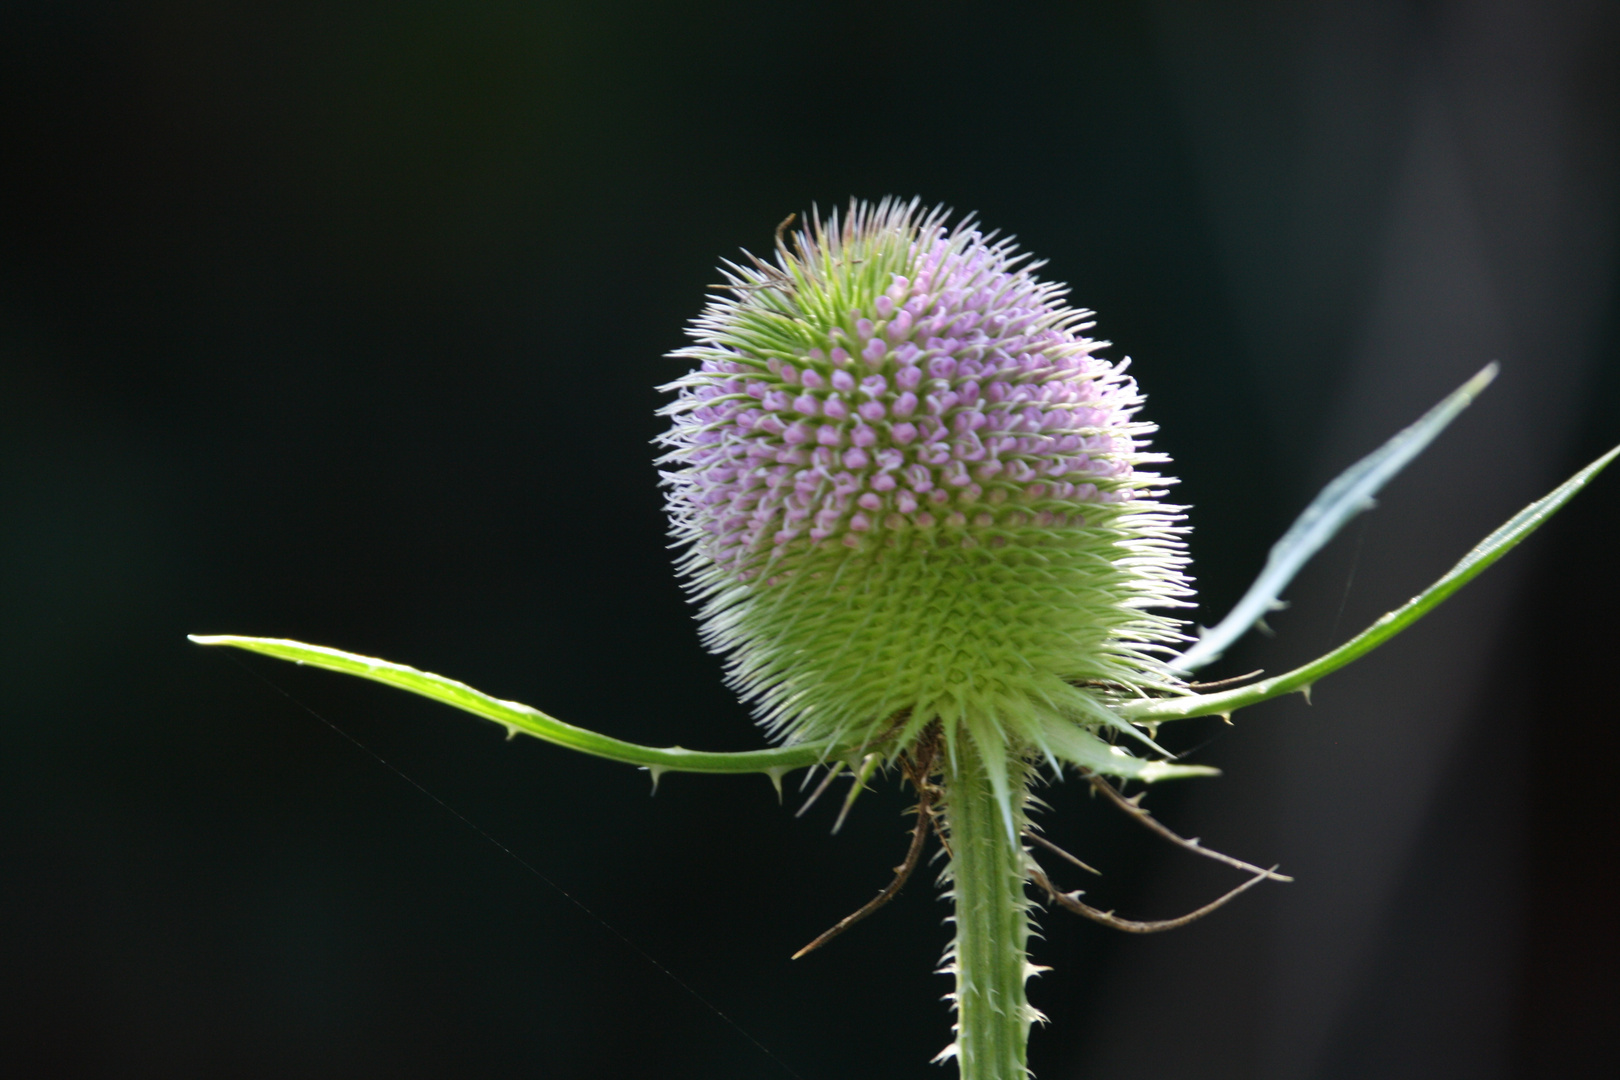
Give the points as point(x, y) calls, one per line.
point(917, 764)
point(1133, 807)
point(1037, 838)
point(988, 869)
point(1071, 901)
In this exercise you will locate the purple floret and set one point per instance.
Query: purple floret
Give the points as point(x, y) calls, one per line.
point(966, 398)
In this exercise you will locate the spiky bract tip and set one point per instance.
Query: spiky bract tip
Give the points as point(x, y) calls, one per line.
point(909, 489)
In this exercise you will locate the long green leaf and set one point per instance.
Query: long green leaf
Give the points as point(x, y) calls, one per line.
point(1493, 547)
point(1348, 495)
point(516, 717)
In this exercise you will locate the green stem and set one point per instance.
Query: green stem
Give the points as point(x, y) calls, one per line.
point(992, 923)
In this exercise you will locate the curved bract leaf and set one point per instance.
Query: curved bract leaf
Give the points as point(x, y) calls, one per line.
point(1493, 547)
point(1079, 747)
point(1348, 495)
point(516, 717)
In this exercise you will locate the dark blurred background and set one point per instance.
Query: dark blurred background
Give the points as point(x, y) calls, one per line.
point(341, 322)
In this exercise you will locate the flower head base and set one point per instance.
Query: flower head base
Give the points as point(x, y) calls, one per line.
point(911, 491)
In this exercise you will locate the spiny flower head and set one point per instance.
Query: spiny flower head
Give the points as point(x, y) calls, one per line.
point(910, 490)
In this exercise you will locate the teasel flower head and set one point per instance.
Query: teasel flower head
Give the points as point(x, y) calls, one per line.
point(910, 490)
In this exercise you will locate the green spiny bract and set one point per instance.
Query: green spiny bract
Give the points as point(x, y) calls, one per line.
point(911, 491)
